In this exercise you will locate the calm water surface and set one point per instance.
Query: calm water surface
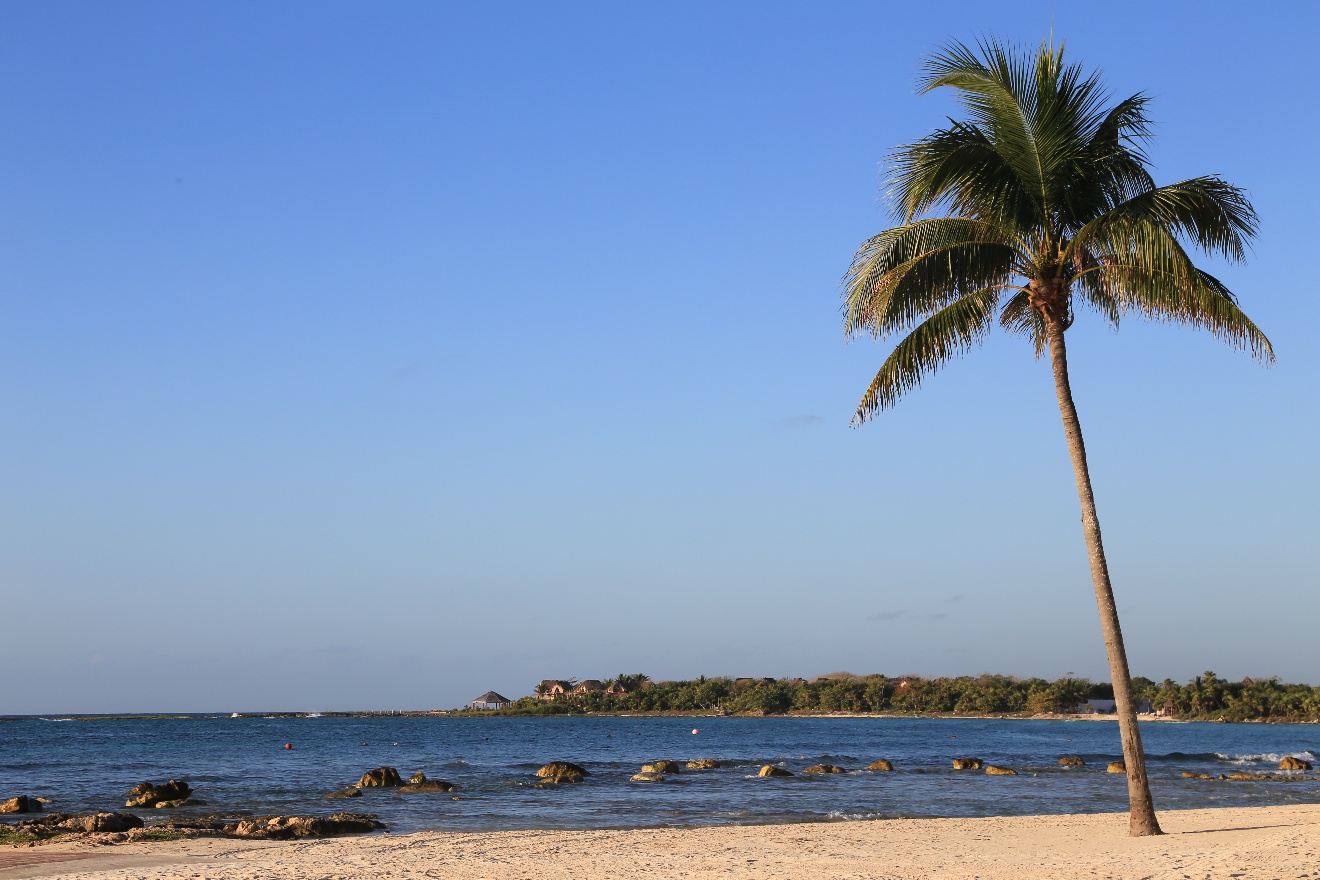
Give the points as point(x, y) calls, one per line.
point(239, 766)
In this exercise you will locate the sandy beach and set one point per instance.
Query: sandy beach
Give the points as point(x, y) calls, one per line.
point(1256, 842)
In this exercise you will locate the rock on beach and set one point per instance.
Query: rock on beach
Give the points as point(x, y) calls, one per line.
point(290, 827)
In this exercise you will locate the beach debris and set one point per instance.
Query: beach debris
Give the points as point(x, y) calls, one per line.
point(882, 764)
point(1291, 763)
point(427, 785)
point(289, 827)
point(145, 794)
point(703, 764)
point(661, 767)
point(823, 768)
point(344, 793)
point(772, 770)
point(1188, 774)
point(1116, 767)
point(562, 771)
point(1072, 761)
point(967, 764)
point(21, 804)
point(381, 777)
point(417, 778)
point(992, 770)
point(647, 776)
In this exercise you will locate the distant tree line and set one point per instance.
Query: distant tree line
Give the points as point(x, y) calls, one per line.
point(1206, 697)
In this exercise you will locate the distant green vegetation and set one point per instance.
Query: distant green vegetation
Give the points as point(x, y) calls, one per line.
point(1206, 697)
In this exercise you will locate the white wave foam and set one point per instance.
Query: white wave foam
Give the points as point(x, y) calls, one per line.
point(1265, 758)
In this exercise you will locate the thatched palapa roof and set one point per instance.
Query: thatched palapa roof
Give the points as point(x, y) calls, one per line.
point(492, 697)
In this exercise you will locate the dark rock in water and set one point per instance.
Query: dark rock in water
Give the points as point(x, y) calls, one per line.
point(562, 771)
point(101, 822)
point(1291, 763)
point(290, 827)
point(647, 776)
point(1072, 761)
point(967, 764)
point(882, 764)
point(147, 795)
point(346, 793)
point(772, 770)
point(417, 778)
point(1116, 767)
point(823, 768)
point(661, 767)
point(164, 805)
point(703, 764)
point(992, 770)
point(427, 785)
point(381, 777)
point(21, 804)
point(1188, 774)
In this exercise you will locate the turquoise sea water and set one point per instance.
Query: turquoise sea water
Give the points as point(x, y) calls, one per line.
point(239, 766)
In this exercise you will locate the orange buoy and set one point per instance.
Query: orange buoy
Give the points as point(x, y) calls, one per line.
point(288, 745)
point(695, 731)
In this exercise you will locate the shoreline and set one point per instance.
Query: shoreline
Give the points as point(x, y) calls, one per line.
point(1239, 842)
point(496, 713)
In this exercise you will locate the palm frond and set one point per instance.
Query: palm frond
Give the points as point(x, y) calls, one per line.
point(1020, 318)
point(961, 168)
point(1194, 298)
point(951, 331)
point(908, 272)
point(1216, 216)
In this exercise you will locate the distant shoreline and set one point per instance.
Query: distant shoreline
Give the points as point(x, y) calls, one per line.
point(499, 713)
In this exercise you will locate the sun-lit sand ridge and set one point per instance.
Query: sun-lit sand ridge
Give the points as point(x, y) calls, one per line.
point(1255, 842)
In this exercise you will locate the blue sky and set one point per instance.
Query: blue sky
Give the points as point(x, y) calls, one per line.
point(362, 357)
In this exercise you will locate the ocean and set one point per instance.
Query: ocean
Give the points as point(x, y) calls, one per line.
point(239, 766)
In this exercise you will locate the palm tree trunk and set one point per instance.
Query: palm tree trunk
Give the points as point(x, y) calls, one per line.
point(1142, 819)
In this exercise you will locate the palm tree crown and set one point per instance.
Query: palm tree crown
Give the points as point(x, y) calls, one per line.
point(1050, 203)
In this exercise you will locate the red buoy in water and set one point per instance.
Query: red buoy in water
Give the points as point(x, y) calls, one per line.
point(288, 745)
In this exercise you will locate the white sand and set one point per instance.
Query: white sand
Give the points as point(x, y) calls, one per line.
point(1256, 842)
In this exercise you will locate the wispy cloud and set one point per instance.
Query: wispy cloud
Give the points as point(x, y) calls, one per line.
point(906, 612)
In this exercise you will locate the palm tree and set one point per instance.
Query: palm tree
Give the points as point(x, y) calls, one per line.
point(1049, 206)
